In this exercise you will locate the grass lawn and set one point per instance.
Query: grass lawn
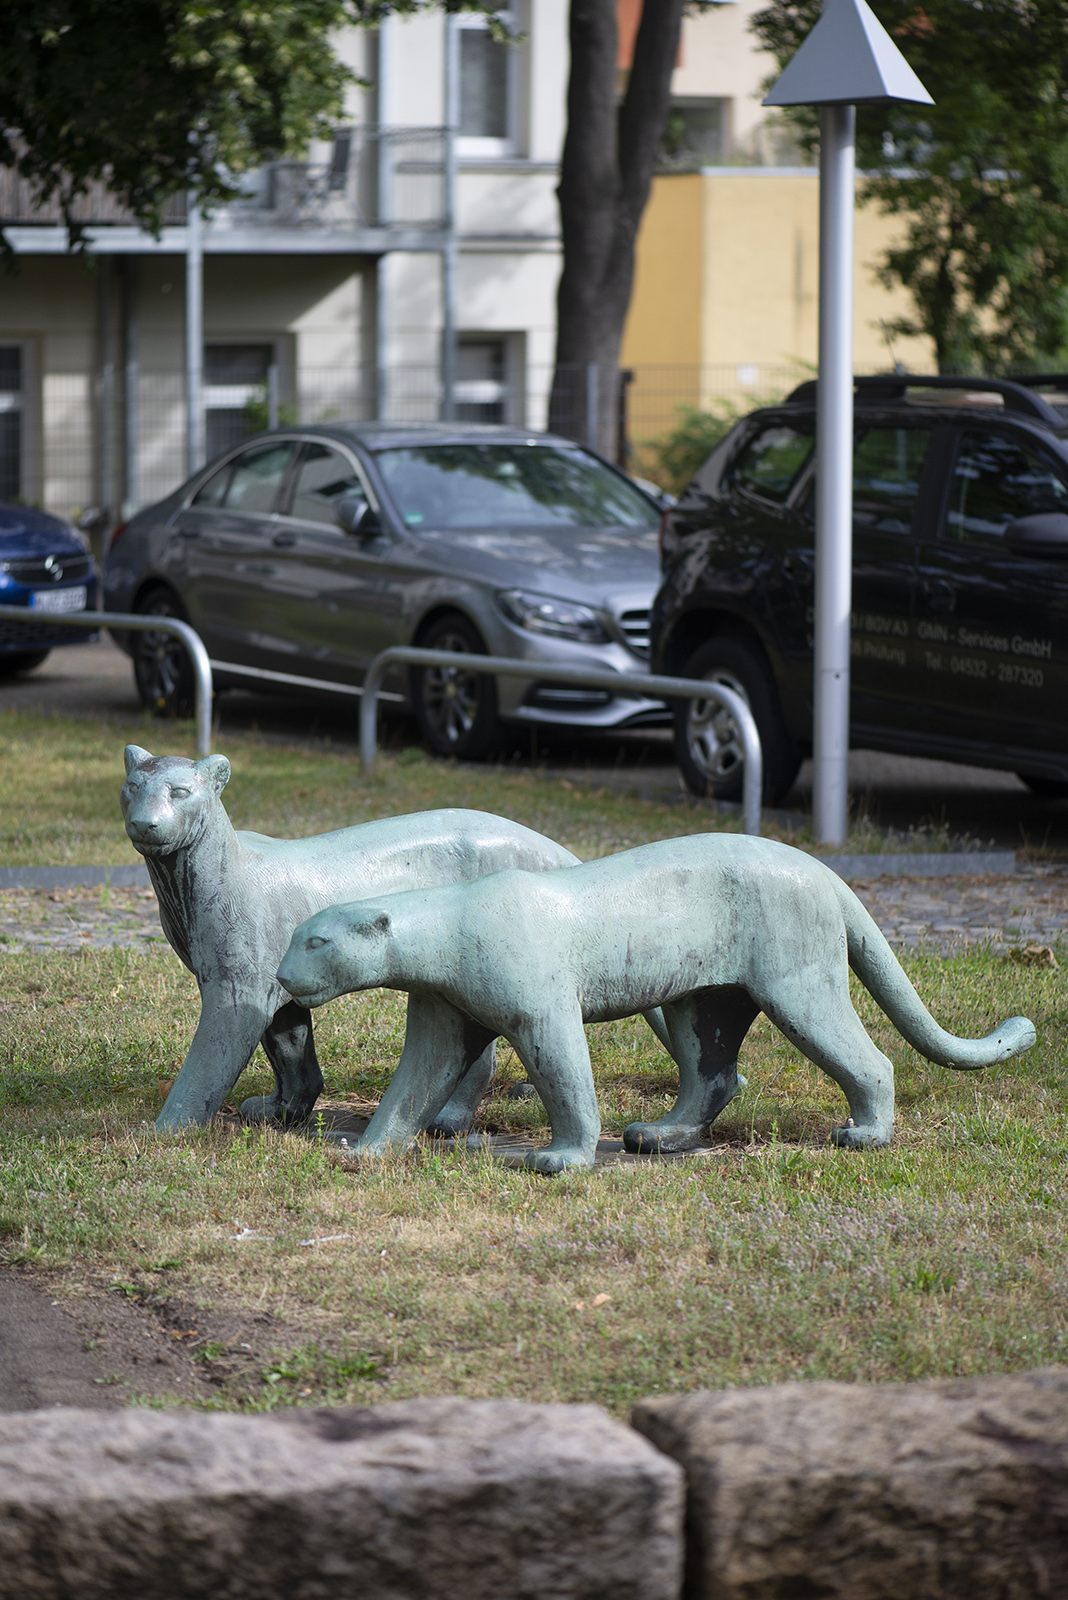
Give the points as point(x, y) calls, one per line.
point(60, 779)
point(770, 1257)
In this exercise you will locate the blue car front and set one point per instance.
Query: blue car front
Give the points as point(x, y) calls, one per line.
point(46, 567)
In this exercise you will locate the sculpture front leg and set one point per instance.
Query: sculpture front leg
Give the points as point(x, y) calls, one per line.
point(553, 1050)
point(440, 1045)
point(227, 1033)
point(289, 1044)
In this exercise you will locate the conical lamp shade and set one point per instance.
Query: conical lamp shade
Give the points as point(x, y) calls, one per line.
point(848, 59)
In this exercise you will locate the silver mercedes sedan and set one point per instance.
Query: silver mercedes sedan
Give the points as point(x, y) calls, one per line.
point(301, 554)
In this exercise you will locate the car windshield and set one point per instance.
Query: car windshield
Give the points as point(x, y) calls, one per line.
point(510, 486)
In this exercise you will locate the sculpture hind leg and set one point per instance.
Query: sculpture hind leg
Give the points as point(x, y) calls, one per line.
point(816, 1014)
point(458, 1113)
point(289, 1045)
point(705, 1030)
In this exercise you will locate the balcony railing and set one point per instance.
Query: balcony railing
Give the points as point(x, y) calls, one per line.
point(376, 178)
point(20, 206)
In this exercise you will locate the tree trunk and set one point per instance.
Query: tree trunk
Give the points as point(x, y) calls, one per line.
point(605, 173)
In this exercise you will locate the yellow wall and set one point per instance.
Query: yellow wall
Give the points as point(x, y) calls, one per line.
point(664, 324)
point(726, 280)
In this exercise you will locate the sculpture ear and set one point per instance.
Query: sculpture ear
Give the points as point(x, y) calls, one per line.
point(217, 771)
point(381, 924)
point(134, 757)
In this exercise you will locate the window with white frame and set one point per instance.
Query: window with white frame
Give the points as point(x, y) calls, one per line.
point(489, 84)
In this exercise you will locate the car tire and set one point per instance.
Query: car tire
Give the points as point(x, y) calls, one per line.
point(456, 710)
point(1045, 788)
point(24, 661)
point(708, 746)
point(162, 670)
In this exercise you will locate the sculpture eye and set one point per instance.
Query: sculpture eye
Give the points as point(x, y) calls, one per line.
point(315, 943)
point(179, 794)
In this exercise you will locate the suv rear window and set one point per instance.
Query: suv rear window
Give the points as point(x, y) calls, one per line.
point(770, 463)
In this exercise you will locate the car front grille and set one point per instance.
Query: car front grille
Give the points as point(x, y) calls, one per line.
point(634, 625)
point(34, 573)
point(31, 635)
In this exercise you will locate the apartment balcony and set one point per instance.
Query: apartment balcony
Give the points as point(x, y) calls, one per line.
point(382, 188)
point(376, 178)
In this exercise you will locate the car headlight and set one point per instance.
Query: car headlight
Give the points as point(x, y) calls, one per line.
point(561, 619)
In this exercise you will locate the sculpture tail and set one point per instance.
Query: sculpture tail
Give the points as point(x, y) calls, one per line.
point(879, 970)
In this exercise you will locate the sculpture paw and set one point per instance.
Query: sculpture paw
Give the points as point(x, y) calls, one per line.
point(656, 1138)
point(444, 1127)
point(271, 1108)
point(550, 1163)
point(866, 1136)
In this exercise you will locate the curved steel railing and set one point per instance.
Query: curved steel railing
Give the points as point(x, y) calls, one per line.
point(132, 622)
point(511, 667)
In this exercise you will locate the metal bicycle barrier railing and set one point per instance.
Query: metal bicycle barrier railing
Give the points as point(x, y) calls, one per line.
point(130, 622)
point(540, 671)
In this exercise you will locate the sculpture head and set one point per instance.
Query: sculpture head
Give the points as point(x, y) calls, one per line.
point(338, 951)
point(167, 800)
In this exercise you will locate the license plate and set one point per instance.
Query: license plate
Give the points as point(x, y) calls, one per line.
point(54, 600)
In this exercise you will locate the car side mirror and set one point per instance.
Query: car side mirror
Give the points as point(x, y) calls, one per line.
point(1044, 533)
point(353, 515)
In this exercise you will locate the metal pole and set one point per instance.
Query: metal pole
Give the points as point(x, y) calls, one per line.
point(131, 286)
point(592, 400)
point(108, 496)
point(449, 249)
point(272, 395)
point(513, 667)
point(139, 622)
point(384, 208)
point(834, 478)
point(194, 337)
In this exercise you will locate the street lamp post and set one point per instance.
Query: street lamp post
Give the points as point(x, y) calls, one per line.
point(847, 60)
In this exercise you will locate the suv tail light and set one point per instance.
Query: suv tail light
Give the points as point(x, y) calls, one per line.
point(117, 535)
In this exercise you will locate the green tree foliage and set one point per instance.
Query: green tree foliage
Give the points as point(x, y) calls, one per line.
point(154, 97)
point(672, 460)
point(980, 180)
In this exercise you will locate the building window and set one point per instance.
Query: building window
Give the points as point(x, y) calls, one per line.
point(697, 135)
point(235, 389)
point(10, 422)
point(489, 384)
point(488, 89)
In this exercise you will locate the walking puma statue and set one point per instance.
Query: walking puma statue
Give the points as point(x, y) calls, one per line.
point(229, 901)
point(714, 929)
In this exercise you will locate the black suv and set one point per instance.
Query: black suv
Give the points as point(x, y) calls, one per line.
point(960, 581)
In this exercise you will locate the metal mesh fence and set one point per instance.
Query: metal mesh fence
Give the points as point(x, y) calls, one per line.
point(82, 440)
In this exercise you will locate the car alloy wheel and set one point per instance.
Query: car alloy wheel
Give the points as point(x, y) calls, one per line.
point(714, 738)
point(456, 708)
point(708, 743)
point(162, 670)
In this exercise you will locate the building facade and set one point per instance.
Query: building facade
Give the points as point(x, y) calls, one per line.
point(400, 271)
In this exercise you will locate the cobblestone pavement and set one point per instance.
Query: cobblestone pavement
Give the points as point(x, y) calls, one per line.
point(1029, 907)
point(69, 919)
